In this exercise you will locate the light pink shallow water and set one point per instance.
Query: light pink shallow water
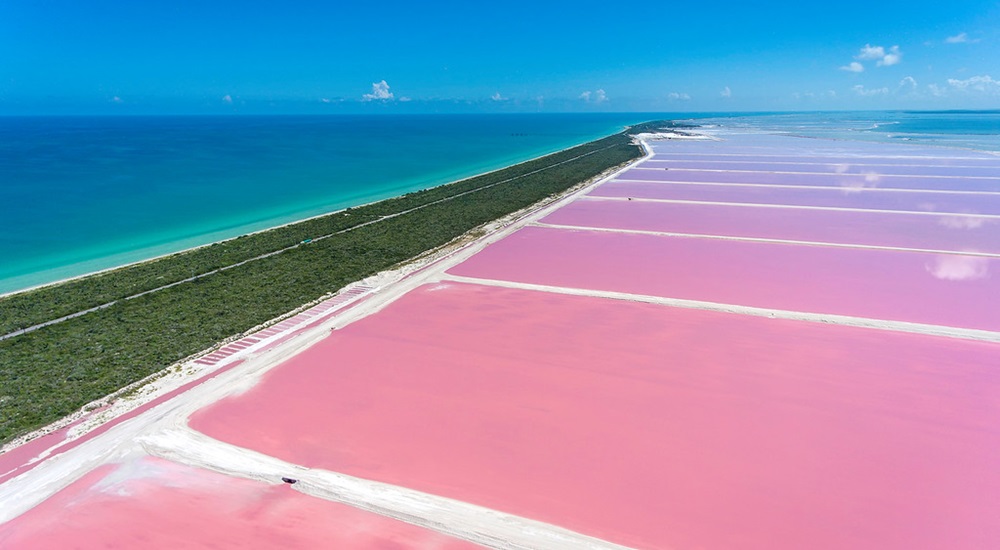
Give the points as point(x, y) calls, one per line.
point(646, 425)
point(665, 155)
point(773, 145)
point(826, 167)
point(868, 199)
point(851, 181)
point(961, 234)
point(16, 460)
point(944, 290)
point(152, 503)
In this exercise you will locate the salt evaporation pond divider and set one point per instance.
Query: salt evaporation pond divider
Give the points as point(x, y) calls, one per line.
point(874, 179)
point(864, 198)
point(830, 168)
point(946, 290)
point(921, 231)
point(762, 145)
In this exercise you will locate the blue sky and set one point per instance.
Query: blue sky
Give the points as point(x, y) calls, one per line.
point(99, 56)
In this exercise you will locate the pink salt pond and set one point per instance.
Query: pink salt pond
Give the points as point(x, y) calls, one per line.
point(864, 199)
point(917, 287)
point(665, 155)
point(958, 233)
point(763, 146)
point(151, 503)
point(644, 425)
point(872, 179)
point(823, 166)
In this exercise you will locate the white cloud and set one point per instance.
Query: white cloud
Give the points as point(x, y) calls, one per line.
point(908, 84)
point(227, 99)
point(498, 97)
point(597, 96)
point(814, 95)
point(869, 92)
point(116, 99)
point(380, 91)
point(979, 83)
point(959, 38)
point(405, 99)
point(678, 96)
point(878, 54)
point(853, 67)
point(870, 52)
point(726, 92)
point(892, 58)
point(325, 99)
point(959, 268)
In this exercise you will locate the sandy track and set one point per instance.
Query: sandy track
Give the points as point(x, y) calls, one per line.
point(483, 526)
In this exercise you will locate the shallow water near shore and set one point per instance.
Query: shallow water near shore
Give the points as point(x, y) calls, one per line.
point(80, 194)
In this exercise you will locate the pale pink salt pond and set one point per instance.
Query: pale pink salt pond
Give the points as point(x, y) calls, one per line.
point(151, 503)
point(649, 426)
point(928, 288)
point(666, 156)
point(873, 179)
point(865, 199)
point(760, 145)
point(805, 165)
point(931, 232)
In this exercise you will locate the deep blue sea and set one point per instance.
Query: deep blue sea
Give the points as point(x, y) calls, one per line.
point(79, 194)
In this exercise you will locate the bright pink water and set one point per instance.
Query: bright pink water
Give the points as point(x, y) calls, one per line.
point(869, 199)
point(850, 181)
point(961, 234)
point(944, 290)
point(649, 426)
point(152, 503)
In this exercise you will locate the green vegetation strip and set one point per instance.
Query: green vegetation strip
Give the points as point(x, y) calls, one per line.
point(53, 371)
point(193, 278)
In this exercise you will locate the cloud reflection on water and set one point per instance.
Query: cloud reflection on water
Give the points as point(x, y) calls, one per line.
point(951, 267)
point(854, 183)
point(963, 222)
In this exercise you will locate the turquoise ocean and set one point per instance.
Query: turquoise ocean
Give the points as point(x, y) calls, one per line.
point(80, 194)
